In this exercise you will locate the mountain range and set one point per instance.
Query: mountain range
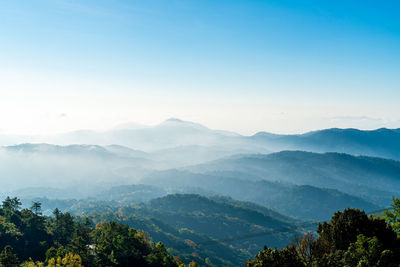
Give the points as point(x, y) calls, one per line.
point(328, 169)
point(209, 195)
point(180, 138)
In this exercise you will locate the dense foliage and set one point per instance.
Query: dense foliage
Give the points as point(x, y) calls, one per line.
point(31, 239)
point(106, 238)
point(350, 239)
point(185, 222)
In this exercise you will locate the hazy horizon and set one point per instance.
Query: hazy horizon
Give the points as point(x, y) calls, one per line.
point(131, 125)
point(243, 66)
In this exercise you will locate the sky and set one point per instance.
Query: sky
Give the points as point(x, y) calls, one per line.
point(245, 66)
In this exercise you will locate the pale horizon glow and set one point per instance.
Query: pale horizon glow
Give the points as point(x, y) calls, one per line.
point(242, 66)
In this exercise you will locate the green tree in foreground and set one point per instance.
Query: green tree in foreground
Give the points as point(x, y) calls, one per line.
point(350, 239)
point(286, 257)
point(8, 258)
point(392, 216)
point(345, 226)
point(61, 240)
point(367, 251)
point(119, 245)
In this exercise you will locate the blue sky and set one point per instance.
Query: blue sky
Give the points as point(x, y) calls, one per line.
point(246, 66)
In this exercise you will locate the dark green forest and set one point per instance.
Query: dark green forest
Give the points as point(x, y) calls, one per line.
point(350, 238)
point(184, 222)
point(30, 239)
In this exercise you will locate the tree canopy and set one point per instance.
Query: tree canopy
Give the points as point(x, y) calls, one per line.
point(350, 239)
point(30, 239)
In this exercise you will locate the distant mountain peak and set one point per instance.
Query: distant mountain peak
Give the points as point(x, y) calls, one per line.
point(179, 122)
point(175, 120)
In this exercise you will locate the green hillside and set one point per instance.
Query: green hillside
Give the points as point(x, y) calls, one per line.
point(191, 224)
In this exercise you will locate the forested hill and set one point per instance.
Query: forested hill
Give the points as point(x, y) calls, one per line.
point(211, 217)
point(190, 224)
